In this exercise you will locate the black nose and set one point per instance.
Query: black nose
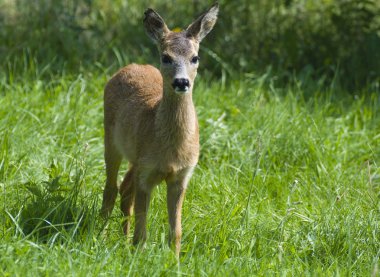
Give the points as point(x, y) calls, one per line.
point(181, 84)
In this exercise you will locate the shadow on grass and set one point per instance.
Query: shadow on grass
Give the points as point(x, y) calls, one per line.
point(56, 211)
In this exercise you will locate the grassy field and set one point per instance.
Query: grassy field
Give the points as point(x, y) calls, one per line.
point(288, 183)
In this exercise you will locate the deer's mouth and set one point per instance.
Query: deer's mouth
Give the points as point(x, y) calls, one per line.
point(181, 90)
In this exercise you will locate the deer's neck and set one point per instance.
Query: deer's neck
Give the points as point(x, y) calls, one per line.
point(176, 118)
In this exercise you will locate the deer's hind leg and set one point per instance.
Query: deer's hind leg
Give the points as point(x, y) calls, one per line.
point(142, 199)
point(127, 193)
point(144, 183)
point(113, 160)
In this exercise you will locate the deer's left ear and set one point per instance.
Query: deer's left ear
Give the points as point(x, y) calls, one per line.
point(204, 24)
point(154, 25)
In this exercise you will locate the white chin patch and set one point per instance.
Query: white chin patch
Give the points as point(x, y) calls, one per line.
point(181, 91)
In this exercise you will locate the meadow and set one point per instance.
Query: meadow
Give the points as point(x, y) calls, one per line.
point(288, 101)
point(288, 182)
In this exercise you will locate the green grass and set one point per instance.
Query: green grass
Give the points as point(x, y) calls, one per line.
point(288, 183)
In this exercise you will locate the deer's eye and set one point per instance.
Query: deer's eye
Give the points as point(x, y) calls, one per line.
point(166, 59)
point(195, 59)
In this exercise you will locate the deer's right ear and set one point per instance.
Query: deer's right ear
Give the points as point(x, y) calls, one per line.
point(154, 25)
point(204, 24)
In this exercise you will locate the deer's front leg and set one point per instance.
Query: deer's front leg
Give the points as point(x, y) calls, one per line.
point(176, 188)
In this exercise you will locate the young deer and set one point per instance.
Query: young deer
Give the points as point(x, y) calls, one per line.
point(150, 119)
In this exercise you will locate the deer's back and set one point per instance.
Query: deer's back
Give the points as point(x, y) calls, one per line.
point(140, 84)
point(130, 102)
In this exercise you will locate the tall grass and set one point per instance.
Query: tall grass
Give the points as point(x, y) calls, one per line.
point(287, 183)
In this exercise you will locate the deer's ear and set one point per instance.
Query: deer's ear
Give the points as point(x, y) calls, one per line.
point(154, 25)
point(204, 24)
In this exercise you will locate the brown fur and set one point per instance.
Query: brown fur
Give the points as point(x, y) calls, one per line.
point(154, 127)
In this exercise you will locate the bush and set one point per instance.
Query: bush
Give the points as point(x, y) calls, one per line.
point(337, 38)
point(324, 36)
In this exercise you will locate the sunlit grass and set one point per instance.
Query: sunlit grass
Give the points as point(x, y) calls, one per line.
point(288, 183)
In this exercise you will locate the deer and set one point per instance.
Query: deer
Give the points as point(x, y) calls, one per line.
point(150, 120)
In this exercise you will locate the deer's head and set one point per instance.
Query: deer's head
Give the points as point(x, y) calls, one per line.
point(179, 50)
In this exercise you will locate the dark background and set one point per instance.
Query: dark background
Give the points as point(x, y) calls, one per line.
point(326, 41)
